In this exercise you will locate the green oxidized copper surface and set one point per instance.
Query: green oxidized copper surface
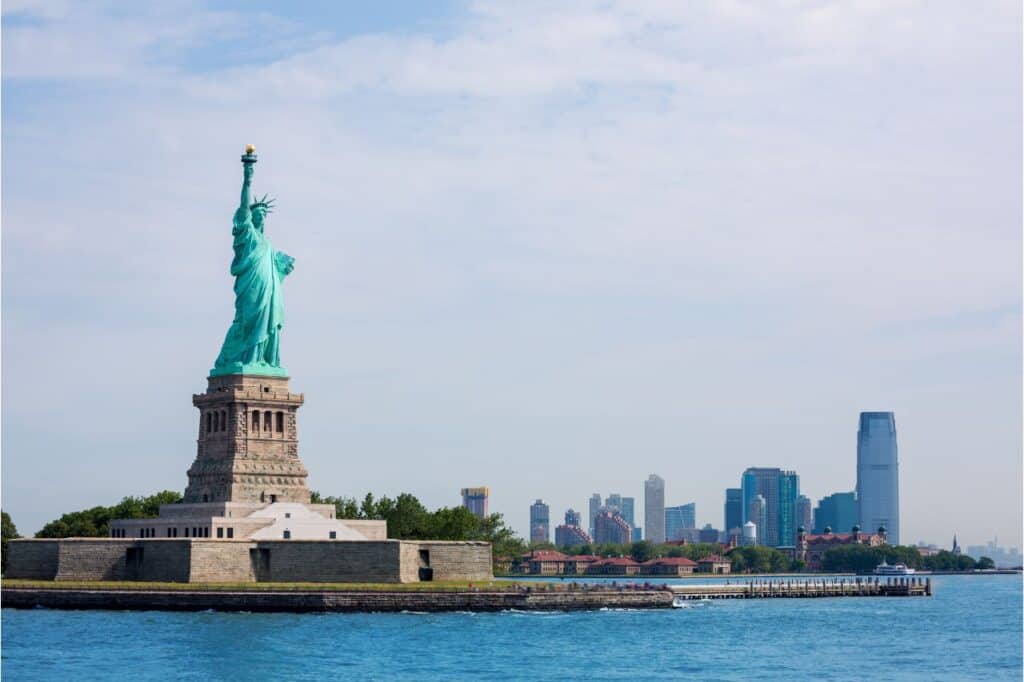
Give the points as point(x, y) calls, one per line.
point(252, 344)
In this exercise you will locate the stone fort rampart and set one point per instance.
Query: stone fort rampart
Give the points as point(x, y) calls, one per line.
point(200, 561)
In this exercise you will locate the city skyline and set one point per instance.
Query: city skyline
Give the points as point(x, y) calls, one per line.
point(534, 243)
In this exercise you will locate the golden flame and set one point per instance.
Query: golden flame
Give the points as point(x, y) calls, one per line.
point(250, 148)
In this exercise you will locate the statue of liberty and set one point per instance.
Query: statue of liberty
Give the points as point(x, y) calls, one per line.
point(252, 344)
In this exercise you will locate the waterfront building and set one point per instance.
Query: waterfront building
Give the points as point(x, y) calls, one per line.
point(679, 518)
point(838, 510)
point(878, 489)
point(654, 509)
point(543, 562)
point(571, 536)
point(733, 509)
point(714, 564)
point(540, 522)
point(668, 567)
point(780, 490)
point(594, 510)
point(611, 528)
point(578, 564)
point(476, 500)
point(614, 566)
point(749, 537)
point(811, 547)
point(804, 512)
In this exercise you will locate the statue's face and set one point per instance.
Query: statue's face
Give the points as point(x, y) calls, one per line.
point(258, 215)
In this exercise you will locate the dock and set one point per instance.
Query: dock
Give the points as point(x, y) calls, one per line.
point(807, 588)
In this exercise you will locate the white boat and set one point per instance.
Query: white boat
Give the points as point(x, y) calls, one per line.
point(896, 569)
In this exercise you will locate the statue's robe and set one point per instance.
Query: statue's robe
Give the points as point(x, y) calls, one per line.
point(252, 341)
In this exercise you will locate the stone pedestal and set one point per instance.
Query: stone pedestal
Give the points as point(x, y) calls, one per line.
point(248, 443)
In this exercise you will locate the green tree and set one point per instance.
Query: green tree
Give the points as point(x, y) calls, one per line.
point(642, 551)
point(95, 522)
point(985, 564)
point(8, 531)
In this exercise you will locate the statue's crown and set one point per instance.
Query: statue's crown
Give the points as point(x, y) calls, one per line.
point(264, 203)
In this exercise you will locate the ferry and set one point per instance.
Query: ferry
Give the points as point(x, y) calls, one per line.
point(897, 569)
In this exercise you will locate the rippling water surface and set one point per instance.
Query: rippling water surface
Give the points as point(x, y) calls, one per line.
point(970, 629)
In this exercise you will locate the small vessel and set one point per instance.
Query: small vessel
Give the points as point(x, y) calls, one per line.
point(896, 569)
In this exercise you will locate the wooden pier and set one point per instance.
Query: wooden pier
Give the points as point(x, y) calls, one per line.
point(808, 589)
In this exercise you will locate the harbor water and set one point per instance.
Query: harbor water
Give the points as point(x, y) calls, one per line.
point(970, 629)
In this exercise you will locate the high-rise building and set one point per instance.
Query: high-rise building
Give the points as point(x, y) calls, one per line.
point(623, 504)
point(780, 490)
point(571, 533)
point(757, 514)
point(654, 509)
point(733, 508)
point(837, 511)
point(804, 513)
point(571, 536)
point(594, 510)
point(610, 527)
point(475, 500)
point(678, 519)
point(878, 484)
point(540, 522)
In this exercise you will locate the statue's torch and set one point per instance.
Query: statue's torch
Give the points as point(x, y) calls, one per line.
point(249, 157)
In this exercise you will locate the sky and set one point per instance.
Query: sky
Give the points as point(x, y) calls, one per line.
point(547, 248)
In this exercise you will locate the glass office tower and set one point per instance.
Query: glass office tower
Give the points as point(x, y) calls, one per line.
point(837, 511)
point(733, 509)
point(878, 486)
point(654, 509)
point(780, 490)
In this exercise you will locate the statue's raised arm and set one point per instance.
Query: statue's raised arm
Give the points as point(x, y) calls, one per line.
point(252, 342)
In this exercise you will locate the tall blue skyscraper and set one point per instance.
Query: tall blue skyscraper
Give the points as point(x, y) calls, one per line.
point(679, 518)
point(878, 484)
point(733, 509)
point(780, 490)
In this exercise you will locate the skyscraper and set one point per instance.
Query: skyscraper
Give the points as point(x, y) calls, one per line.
point(878, 485)
point(733, 509)
point(610, 527)
point(623, 504)
point(540, 522)
point(837, 511)
point(475, 500)
point(678, 519)
point(570, 533)
point(780, 490)
point(595, 508)
point(654, 509)
point(804, 513)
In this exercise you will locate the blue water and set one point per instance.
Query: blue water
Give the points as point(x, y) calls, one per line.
point(970, 629)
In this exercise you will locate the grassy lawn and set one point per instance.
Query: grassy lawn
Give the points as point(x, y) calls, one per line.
point(453, 586)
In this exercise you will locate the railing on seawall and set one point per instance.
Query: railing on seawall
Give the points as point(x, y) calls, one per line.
point(808, 588)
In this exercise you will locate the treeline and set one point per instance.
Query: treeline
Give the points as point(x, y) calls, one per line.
point(95, 522)
point(408, 519)
point(864, 559)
